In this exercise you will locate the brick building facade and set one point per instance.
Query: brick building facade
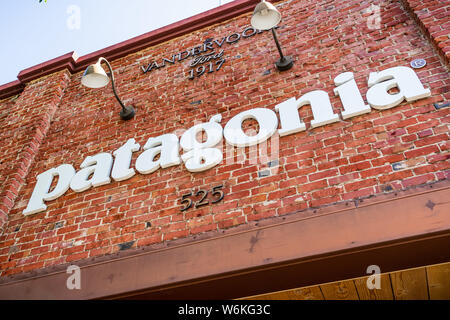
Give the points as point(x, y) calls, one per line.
point(355, 188)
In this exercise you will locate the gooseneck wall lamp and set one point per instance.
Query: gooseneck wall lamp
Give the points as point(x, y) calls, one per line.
point(96, 77)
point(266, 17)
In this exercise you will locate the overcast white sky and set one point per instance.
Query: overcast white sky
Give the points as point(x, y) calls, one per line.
point(33, 32)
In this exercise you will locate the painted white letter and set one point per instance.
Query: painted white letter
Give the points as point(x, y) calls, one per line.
point(43, 184)
point(202, 156)
point(289, 117)
point(166, 146)
point(351, 98)
point(121, 169)
point(268, 123)
point(320, 106)
point(404, 78)
point(99, 166)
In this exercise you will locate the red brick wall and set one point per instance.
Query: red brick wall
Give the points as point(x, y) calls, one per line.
point(434, 18)
point(58, 121)
point(23, 125)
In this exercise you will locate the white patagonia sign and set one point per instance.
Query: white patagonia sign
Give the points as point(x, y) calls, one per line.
point(199, 156)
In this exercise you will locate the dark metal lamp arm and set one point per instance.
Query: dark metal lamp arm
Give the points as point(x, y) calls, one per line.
point(112, 82)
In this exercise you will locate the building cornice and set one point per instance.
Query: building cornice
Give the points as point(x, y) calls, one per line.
point(10, 89)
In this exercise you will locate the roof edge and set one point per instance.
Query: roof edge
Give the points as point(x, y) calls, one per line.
point(10, 89)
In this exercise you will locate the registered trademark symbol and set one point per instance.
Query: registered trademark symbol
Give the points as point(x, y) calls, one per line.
point(418, 63)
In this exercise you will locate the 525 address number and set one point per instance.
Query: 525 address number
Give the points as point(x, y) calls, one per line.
point(202, 198)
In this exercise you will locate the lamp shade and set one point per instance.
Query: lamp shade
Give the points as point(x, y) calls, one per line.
point(265, 16)
point(95, 76)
